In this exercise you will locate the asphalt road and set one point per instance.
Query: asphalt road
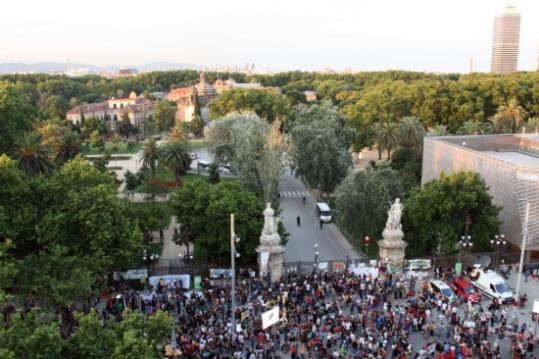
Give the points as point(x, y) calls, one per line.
point(300, 247)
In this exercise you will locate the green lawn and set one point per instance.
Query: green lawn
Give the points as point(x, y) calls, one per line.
point(196, 145)
point(113, 148)
point(165, 174)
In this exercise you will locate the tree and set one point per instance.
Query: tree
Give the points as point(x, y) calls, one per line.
point(164, 114)
point(438, 130)
point(363, 199)
point(15, 115)
point(254, 148)
point(204, 212)
point(388, 136)
point(532, 124)
point(150, 155)
point(68, 148)
point(82, 230)
point(197, 126)
point(441, 206)
point(267, 104)
point(124, 127)
point(213, 173)
point(32, 156)
point(97, 141)
point(322, 142)
point(131, 180)
point(175, 155)
point(411, 132)
point(511, 113)
point(472, 127)
point(176, 133)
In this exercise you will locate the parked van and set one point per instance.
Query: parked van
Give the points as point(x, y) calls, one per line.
point(323, 212)
point(492, 284)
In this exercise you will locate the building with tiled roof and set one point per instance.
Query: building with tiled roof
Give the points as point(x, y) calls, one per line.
point(192, 100)
point(136, 107)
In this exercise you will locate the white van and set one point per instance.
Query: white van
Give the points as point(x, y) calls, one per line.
point(492, 284)
point(323, 212)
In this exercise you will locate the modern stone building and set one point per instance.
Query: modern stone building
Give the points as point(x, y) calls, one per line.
point(505, 42)
point(509, 164)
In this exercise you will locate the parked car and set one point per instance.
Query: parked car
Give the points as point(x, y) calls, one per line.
point(465, 290)
point(193, 156)
point(440, 287)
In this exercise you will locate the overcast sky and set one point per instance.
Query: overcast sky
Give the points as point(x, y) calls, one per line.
point(431, 35)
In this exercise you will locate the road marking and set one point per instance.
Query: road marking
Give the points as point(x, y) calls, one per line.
point(295, 194)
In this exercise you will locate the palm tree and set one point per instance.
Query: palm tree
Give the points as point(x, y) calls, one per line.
point(32, 156)
point(176, 134)
point(411, 132)
point(512, 112)
point(150, 155)
point(68, 147)
point(470, 127)
point(176, 157)
point(500, 124)
point(388, 137)
point(439, 130)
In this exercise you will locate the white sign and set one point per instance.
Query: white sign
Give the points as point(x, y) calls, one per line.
point(415, 264)
point(264, 258)
point(360, 269)
point(131, 274)
point(323, 266)
point(535, 306)
point(220, 273)
point(270, 317)
point(171, 280)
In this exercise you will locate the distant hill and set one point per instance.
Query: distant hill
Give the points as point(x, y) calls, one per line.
point(58, 67)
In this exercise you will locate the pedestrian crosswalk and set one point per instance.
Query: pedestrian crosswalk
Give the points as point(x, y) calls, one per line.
point(299, 194)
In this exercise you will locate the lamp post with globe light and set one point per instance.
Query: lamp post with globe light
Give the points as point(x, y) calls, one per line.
point(149, 259)
point(498, 242)
point(465, 242)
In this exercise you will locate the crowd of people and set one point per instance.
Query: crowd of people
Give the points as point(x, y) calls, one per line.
point(331, 315)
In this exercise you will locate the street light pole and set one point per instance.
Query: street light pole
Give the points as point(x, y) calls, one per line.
point(465, 241)
point(522, 252)
point(233, 275)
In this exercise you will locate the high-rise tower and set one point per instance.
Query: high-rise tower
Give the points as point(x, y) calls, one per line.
point(505, 42)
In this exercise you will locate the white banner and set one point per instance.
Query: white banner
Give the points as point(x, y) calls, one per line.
point(361, 269)
point(415, 264)
point(264, 258)
point(220, 273)
point(169, 280)
point(131, 274)
point(270, 317)
point(323, 266)
point(535, 306)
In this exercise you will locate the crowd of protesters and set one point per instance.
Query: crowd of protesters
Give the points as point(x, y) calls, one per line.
point(331, 315)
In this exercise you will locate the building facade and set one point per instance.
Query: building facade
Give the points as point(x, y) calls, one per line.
point(193, 100)
point(509, 164)
point(505, 42)
point(137, 109)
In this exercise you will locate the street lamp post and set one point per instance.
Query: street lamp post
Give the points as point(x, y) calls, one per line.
point(366, 243)
point(316, 254)
point(233, 255)
point(497, 243)
point(149, 259)
point(465, 241)
point(187, 260)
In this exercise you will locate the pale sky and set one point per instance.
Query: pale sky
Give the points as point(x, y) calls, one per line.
point(431, 35)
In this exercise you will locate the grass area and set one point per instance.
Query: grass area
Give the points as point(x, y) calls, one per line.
point(113, 148)
point(163, 207)
point(196, 145)
point(165, 174)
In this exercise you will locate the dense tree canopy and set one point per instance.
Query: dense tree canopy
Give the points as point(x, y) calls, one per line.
point(256, 150)
point(362, 201)
point(322, 143)
point(66, 230)
point(440, 209)
point(15, 116)
point(267, 104)
point(204, 212)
